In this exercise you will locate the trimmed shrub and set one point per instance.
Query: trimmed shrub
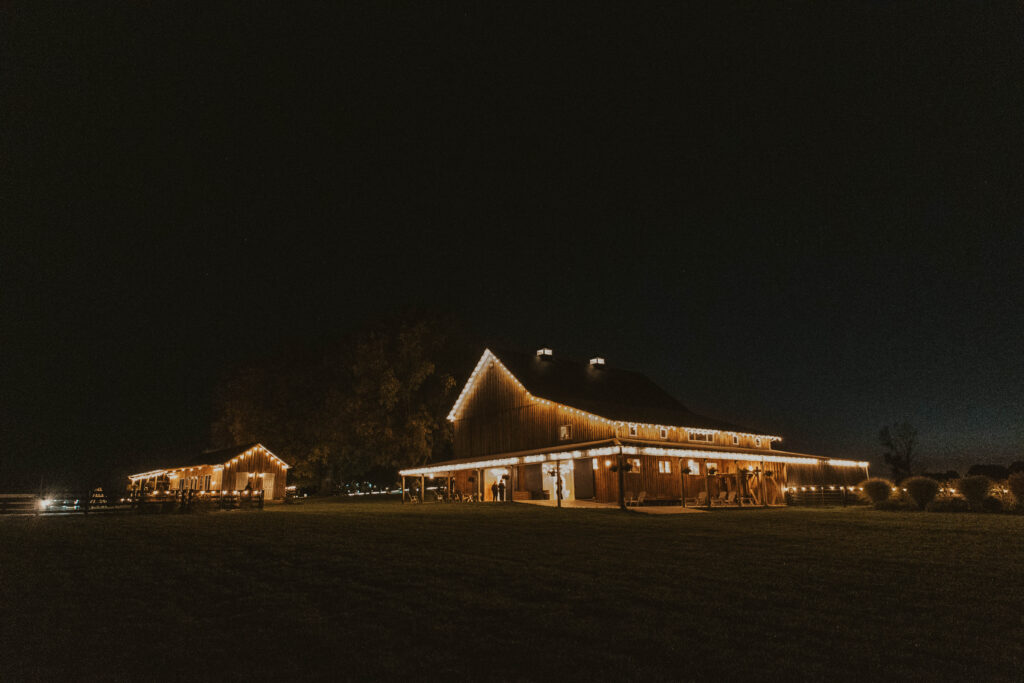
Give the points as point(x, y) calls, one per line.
point(1016, 485)
point(991, 504)
point(878, 490)
point(948, 504)
point(922, 489)
point(975, 489)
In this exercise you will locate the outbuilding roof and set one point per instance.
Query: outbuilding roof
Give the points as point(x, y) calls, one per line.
point(604, 390)
point(217, 456)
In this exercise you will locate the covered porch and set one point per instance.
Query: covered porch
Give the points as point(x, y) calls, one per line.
point(628, 473)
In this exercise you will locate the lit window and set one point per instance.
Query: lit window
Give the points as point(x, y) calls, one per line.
point(665, 466)
point(595, 463)
point(635, 462)
point(632, 430)
point(565, 432)
point(713, 467)
point(693, 466)
point(664, 432)
point(735, 440)
point(757, 442)
point(701, 436)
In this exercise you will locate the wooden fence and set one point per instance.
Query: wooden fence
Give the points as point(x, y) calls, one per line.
point(164, 501)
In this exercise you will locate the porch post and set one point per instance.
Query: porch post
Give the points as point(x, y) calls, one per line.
point(764, 489)
point(512, 478)
point(403, 489)
point(423, 488)
point(741, 478)
point(558, 482)
point(622, 481)
point(480, 484)
point(707, 484)
point(682, 484)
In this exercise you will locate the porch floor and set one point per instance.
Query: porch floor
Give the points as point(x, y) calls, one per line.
point(646, 509)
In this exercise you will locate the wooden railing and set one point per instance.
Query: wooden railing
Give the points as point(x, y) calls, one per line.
point(822, 496)
point(190, 500)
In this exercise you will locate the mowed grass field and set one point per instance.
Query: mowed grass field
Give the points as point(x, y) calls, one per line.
point(378, 590)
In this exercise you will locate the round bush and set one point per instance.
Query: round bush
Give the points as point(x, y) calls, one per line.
point(1016, 485)
point(877, 490)
point(922, 489)
point(975, 489)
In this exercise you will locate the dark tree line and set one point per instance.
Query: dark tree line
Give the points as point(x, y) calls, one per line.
point(360, 407)
point(899, 441)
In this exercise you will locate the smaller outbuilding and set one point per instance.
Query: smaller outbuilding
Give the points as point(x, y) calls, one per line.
point(249, 467)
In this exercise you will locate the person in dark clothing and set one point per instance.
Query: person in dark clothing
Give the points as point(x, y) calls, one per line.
point(501, 490)
point(494, 491)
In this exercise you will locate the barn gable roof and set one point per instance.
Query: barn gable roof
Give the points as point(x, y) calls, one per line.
point(611, 393)
point(217, 456)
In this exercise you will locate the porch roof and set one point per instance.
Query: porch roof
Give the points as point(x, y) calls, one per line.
point(628, 447)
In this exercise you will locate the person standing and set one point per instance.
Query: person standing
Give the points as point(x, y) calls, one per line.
point(494, 491)
point(501, 491)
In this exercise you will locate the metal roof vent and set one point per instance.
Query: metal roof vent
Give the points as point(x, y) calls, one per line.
point(597, 362)
point(544, 352)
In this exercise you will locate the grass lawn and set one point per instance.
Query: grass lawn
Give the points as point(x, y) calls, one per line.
point(364, 590)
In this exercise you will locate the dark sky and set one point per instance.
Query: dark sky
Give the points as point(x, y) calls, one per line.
point(805, 216)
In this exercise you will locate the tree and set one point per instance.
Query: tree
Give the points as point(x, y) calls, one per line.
point(900, 443)
point(356, 407)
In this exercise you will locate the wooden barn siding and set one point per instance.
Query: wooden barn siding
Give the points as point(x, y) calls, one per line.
point(499, 417)
point(817, 475)
point(257, 462)
point(680, 436)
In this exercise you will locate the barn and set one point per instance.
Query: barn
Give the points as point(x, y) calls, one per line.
point(538, 426)
point(249, 467)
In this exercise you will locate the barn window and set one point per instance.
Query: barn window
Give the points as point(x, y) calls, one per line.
point(665, 466)
point(595, 463)
point(702, 436)
point(757, 442)
point(663, 432)
point(564, 432)
point(632, 430)
point(735, 440)
point(693, 466)
point(635, 462)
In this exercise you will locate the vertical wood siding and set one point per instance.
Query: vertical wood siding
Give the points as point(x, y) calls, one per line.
point(500, 417)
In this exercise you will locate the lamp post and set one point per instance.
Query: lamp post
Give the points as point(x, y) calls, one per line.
point(556, 472)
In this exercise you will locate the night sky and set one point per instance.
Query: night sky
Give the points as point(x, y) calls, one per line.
point(805, 217)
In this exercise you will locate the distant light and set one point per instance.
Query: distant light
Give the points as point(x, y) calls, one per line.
point(45, 503)
point(544, 352)
point(597, 361)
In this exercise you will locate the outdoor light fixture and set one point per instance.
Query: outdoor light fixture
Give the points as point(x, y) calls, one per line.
point(597, 361)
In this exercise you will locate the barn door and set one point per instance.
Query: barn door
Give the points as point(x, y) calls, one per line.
point(268, 485)
point(583, 478)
